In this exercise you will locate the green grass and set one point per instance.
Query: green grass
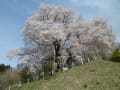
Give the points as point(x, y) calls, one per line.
point(97, 75)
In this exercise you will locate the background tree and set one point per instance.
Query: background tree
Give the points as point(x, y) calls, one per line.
point(116, 55)
point(3, 67)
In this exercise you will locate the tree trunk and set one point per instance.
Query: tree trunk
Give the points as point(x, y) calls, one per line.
point(57, 52)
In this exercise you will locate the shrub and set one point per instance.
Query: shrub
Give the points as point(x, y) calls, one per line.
point(25, 74)
point(48, 68)
point(85, 85)
point(9, 77)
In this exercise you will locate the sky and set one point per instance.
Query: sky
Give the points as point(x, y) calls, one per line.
point(13, 14)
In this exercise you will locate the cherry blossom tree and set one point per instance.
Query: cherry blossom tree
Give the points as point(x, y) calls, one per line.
point(53, 33)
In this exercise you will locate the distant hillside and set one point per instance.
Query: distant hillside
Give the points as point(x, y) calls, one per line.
point(97, 75)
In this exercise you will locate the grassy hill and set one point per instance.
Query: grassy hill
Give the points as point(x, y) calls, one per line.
point(97, 75)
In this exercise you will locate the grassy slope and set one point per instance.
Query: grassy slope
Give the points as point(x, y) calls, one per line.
point(97, 75)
